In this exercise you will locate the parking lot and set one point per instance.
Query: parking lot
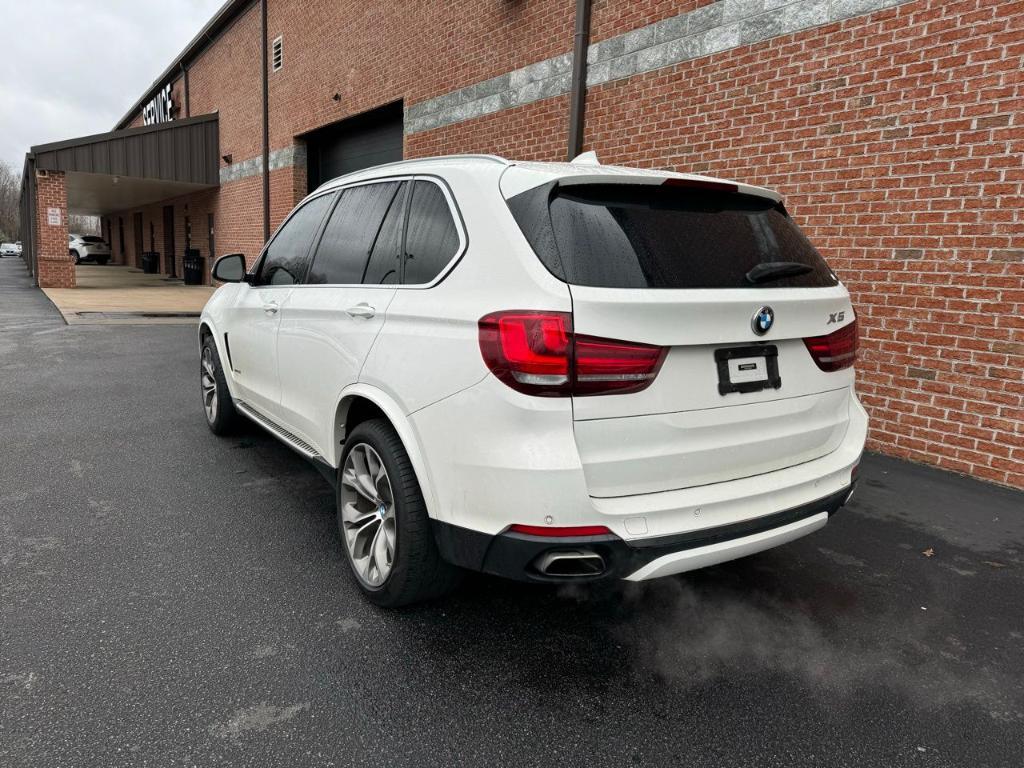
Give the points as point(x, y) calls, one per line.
point(170, 598)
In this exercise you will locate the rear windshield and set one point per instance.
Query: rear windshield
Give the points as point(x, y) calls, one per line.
point(91, 239)
point(644, 236)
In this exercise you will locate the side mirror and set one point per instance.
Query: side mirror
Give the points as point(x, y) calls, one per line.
point(230, 268)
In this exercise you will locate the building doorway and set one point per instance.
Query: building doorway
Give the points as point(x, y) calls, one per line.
point(209, 228)
point(371, 138)
point(137, 232)
point(169, 241)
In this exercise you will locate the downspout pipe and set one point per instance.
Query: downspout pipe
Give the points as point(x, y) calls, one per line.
point(266, 124)
point(29, 235)
point(578, 92)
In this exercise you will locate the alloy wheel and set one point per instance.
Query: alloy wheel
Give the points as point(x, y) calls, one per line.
point(368, 515)
point(208, 382)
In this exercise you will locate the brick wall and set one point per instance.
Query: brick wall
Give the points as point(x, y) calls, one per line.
point(536, 131)
point(226, 80)
point(373, 53)
point(898, 140)
point(612, 17)
point(54, 267)
point(897, 137)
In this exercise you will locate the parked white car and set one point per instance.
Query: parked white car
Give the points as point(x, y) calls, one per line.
point(10, 249)
point(88, 248)
point(547, 371)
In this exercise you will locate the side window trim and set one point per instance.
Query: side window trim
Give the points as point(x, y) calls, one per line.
point(460, 229)
point(410, 192)
point(258, 266)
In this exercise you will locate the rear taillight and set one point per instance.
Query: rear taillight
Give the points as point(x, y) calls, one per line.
point(537, 353)
point(836, 351)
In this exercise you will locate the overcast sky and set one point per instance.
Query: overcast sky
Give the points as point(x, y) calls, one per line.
point(70, 68)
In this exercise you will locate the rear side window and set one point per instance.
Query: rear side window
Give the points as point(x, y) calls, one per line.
point(645, 236)
point(385, 263)
point(432, 238)
point(344, 249)
point(285, 259)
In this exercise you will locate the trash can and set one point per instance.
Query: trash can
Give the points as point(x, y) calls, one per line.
point(150, 262)
point(193, 267)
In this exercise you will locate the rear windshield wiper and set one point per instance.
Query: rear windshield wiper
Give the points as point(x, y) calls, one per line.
point(776, 270)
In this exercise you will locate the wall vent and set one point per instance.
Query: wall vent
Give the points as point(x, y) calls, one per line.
point(277, 49)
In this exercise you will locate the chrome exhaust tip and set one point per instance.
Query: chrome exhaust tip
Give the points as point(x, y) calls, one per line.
point(567, 563)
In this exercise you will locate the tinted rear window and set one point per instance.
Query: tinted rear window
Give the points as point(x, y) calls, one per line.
point(642, 236)
point(92, 239)
point(431, 239)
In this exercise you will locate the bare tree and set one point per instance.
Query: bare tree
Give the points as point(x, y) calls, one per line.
point(83, 225)
point(10, 197)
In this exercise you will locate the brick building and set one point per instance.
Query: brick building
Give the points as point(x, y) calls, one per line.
point(895, 129)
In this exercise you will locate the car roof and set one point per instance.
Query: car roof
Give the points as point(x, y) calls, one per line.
point(517, 176)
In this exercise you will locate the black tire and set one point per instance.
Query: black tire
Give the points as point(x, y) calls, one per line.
point(75, 256)
point(418, 573)
point(224, 418)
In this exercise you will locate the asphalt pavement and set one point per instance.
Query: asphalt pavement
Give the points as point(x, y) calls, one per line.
point(169, 598)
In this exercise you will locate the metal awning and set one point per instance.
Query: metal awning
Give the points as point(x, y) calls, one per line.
point(120, 170)
point(114, 171)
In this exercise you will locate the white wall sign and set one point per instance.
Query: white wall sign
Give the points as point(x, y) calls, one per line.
point(160, 108)
point(53, 217)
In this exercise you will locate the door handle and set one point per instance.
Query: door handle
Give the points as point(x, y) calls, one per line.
point(361, 310)
point(271, 307)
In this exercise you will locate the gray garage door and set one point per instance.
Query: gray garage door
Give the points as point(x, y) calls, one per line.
point(368, 139)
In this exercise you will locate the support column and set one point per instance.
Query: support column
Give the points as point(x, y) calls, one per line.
point(54, 267)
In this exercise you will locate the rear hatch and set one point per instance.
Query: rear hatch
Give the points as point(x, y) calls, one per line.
point(752, 377)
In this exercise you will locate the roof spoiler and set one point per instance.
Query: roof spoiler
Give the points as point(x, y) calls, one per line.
point(587, 158)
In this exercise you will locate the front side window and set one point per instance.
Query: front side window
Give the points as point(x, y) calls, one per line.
point(284, 261)
point(351, 232)
point(432, 238)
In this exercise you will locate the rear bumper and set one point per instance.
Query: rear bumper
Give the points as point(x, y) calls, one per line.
point(493, 457)
point(516, 556)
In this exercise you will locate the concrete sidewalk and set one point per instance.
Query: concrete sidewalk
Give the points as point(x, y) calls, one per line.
point(125, 295)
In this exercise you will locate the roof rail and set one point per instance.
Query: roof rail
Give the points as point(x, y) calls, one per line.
point(469, 156)
point(434, 158)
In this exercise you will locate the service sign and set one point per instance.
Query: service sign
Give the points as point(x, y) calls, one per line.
point(160, 108)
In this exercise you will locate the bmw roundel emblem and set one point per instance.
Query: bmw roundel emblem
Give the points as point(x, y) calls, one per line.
point(763, 320)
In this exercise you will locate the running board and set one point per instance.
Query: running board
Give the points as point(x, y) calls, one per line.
point(280, 433)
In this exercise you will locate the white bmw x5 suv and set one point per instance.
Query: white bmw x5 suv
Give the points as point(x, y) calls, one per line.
point(545, 371)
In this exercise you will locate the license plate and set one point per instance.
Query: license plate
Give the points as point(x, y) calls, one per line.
point(748, 369)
